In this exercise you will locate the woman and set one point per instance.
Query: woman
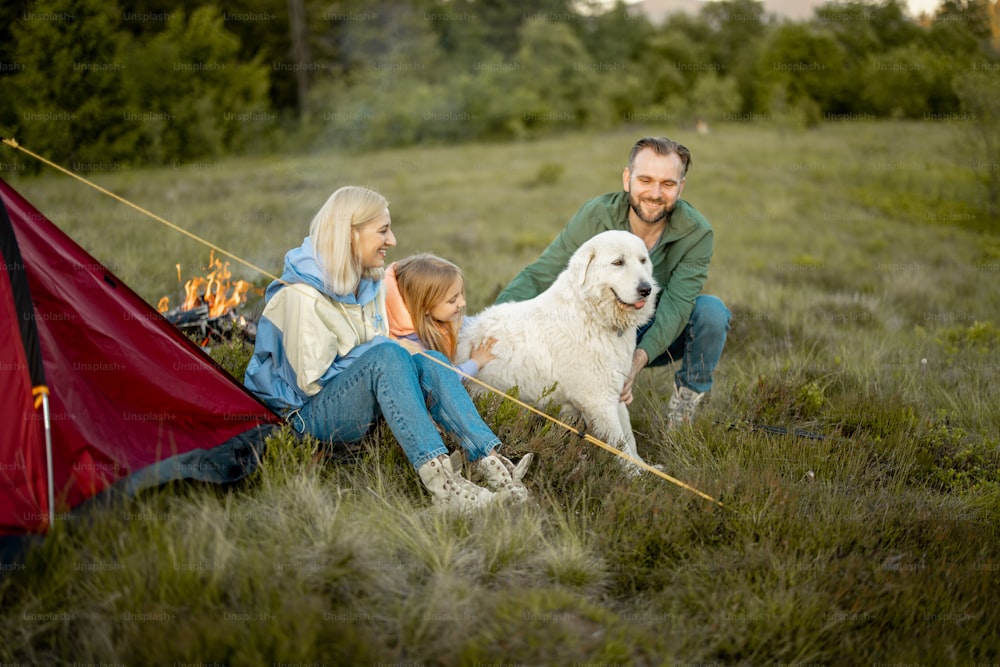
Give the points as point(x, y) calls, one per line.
point(323, 360)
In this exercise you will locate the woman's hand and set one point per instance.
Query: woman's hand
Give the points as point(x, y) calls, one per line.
point(483, 353)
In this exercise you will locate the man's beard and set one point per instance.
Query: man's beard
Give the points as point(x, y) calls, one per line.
point(662, 215)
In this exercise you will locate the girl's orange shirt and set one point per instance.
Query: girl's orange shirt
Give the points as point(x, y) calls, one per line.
point(400, 322)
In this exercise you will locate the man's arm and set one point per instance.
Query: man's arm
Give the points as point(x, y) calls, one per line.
point(672, 312)
point(539, 275)
point(677, 298)
point(639, 361)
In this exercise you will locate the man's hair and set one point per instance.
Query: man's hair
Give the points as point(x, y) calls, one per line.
point(333, 231)
point(661, 146)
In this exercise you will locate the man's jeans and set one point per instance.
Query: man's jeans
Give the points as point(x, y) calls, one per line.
point(700, 344)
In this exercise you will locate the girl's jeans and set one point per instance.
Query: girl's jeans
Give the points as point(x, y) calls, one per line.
point(411, 392)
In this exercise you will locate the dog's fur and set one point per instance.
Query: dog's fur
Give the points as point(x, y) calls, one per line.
point(578, 335)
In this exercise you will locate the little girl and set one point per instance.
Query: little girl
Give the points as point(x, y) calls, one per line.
point(425, 306)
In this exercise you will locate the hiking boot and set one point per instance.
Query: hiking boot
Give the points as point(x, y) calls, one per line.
point(680, 409)
point(503, 476)
point(443, 478)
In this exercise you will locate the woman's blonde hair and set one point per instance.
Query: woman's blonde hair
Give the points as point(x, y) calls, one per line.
point(333, 231)
point(424, 281)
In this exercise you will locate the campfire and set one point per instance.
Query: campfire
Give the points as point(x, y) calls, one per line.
point(208, 313)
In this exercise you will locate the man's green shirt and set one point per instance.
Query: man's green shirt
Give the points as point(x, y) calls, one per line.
point(680, 262)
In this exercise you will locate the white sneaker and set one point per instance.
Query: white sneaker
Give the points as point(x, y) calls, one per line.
point(503, 476)
point(443, 478)
point(680, 409)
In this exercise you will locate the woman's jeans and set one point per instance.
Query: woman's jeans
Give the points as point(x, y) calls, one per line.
point(699, 345)
point(411, 392)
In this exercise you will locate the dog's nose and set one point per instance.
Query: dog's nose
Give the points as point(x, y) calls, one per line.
point(644, 289)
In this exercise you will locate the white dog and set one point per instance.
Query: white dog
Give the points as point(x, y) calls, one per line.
point(578, 335)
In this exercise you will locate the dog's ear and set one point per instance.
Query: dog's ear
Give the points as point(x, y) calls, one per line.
point(581, 261)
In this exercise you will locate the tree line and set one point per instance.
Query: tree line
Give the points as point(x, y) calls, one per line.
point(108, 83)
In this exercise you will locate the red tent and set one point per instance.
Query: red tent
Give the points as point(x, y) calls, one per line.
point(132, 403)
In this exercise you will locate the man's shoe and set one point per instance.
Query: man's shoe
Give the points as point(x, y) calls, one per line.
point(680, 409)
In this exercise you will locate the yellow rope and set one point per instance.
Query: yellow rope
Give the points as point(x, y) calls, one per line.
point(586, 436)
point(13, 144)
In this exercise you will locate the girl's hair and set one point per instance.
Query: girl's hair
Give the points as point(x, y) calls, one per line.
point(333, 230)
point(424, 281)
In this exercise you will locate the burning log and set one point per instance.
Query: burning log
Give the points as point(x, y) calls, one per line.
point(196, 323)
point(208, 313)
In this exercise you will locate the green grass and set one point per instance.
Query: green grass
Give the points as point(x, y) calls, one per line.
point(863, 280)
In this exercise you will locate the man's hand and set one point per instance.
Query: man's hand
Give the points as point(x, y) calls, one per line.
point(639, 361)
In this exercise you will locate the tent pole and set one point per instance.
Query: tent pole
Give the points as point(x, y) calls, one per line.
point(48, 459)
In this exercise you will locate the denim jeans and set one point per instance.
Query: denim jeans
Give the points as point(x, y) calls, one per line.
point(411, 393)
point(700, 344)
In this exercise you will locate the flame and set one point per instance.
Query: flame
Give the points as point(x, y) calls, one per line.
point(214, 290)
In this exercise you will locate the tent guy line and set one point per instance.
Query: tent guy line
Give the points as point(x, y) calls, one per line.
point(15, 145)
point(580, 433)
point(586, 436)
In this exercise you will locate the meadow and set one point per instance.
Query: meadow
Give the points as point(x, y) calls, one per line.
point(852, 433)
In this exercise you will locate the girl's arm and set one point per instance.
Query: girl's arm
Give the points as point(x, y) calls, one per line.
point(411, 342)
point(480, 355)
point(469, 367)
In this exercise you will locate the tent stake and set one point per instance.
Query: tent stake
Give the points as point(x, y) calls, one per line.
point(48, 459)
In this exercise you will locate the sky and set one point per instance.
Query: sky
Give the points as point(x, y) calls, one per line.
point(794, 9)
point(918, 6)
point(915, 6)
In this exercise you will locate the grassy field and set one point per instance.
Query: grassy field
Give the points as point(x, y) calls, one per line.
point(862, 276)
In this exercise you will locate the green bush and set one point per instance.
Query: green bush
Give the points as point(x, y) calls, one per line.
point(103, 100)
point(189, 96)
point(70, 93)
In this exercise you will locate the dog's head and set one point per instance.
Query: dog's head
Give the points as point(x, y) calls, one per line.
point(615, 274)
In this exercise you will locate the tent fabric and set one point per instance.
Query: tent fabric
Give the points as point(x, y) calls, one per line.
point(133, 402)
point(22, 444)
point(18, 286)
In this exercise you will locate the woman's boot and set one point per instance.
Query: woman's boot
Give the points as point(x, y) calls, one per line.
point(503, 476)
point(443, 478)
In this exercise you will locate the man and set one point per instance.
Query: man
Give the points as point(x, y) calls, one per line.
point(686, 324)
